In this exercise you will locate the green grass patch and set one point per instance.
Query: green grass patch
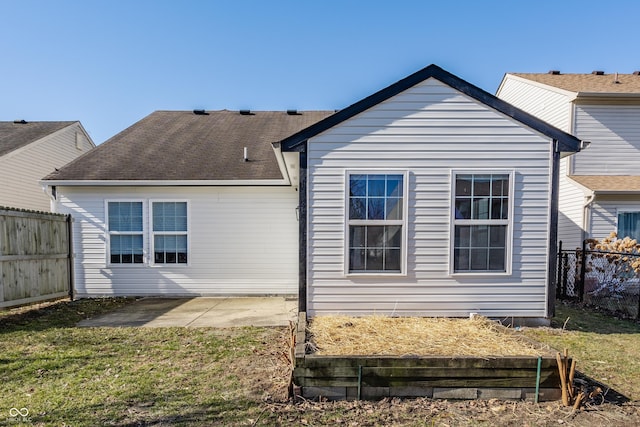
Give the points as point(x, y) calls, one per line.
point(133, 376)
point(605, 348)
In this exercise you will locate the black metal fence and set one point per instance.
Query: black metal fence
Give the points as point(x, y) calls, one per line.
point(608, 281)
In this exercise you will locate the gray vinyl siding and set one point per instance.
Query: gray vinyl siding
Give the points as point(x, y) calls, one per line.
point(551, 106)
point(428, 131)
point(242, 241)
point(614, 132)
point(22, 169)
point(604, 215)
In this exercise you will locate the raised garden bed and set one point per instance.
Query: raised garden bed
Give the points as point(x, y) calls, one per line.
point(447, 377)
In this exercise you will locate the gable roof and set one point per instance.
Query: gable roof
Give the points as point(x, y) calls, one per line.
point(17, 134)
point(609, 183)
point(587, 83)
point(567, 142)
point(183, 145)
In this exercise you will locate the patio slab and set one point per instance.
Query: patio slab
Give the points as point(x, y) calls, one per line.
point(207, 312)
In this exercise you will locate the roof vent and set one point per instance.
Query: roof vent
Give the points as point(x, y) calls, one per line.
point(200, 113)
point(293, 112)
point(598, 73)
point(246, 113)
point(615, 78)
point(554, 72)
point(636, 73)
point(20, 122)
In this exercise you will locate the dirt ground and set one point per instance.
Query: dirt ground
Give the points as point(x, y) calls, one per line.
point(269, 365)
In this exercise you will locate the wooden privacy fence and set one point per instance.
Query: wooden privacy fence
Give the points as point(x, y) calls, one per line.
point(35, 256)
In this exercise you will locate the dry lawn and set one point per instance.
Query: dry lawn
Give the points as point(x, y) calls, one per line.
point(378, 335)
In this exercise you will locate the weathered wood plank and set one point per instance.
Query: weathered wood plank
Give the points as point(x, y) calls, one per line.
point(314, 361)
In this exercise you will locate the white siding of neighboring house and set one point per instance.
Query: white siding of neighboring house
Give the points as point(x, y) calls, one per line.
point(243, 241)
point(550, 105)
point(22, 169)
point(614, 132)
point(571, 210)
point(554, 107)
point(428, 130)
point(604, 216)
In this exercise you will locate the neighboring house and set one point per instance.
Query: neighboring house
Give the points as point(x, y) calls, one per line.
point(599, 187)
point(31, 150)
point(430, 197)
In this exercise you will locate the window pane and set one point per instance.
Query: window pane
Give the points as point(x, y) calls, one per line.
point(393, 236)
point(375, 236)
point(463, 208)
point(375, 208)
point(357, 236)
point(376, 185)
point(500, 186)
point(480, 208)
point(357, 208)
point(496, 259)
point(356, 260)
point(374, 259)
point(463, 185)
point(479, 236)
point(481, 185)
point(357, 185)
point(498, 236)
point(394, 185)
point(394, 208)
point(462, 236)
point(461, 260)
point(392, 259)
point(479, 259)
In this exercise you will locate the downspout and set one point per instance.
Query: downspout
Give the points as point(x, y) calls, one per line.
point(553, 230)
point(302, 232)
point(586, 215)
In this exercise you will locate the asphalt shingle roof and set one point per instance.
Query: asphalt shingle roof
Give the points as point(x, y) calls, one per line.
point(182, 145)
point(587, 83)
point(15, 135)
point(609, 183)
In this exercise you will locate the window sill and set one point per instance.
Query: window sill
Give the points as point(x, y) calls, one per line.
point(376, 274)
point(481, 274)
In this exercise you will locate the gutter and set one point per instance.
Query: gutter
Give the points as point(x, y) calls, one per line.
point(167, 183)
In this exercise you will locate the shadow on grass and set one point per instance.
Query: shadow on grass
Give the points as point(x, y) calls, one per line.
point(574, 317)
point(155, 410)
point(608, 395)
point(62, 314)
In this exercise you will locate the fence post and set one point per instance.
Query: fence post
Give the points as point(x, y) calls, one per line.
point(70, 255)
point(559, 271)
point(583, 270)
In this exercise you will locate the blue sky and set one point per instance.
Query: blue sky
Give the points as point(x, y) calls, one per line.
point(109, 63)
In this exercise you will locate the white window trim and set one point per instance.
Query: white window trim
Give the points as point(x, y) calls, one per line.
point(509, 222)
point(152, 234)
point(108, 234)
point(403, 222)
point(625, 209)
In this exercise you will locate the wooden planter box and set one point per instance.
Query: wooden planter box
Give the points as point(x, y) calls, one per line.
point(440, 377)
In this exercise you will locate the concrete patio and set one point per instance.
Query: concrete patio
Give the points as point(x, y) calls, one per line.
point(214, 312)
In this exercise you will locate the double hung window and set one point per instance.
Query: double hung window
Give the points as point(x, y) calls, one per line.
point(169, 232)
point(481, 222)
point(376, 223)
point(125, 232)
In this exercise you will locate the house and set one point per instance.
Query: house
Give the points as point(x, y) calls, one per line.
point(599, 187)
point(31, 150)
point(429, 197)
